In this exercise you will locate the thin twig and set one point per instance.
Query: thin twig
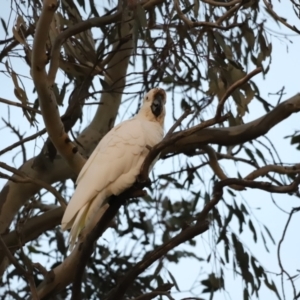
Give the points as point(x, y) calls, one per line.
point(19, 143)
point(152, 295)
point(232, 88)
point(280, 19)
point(20, 105)
point(73, 30)
point(294, 210)
point(12, 259)
point(28, 263)
point(178, 122)
point(193, 24)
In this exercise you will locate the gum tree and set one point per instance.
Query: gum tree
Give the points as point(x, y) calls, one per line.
point(75, 66)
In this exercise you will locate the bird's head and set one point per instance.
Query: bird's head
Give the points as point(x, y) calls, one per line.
point(153, 107)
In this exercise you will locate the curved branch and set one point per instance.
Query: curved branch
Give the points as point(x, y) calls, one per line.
point(193, 24)
point(48, 104)
point(224, 4)
point(278, 18)
point(75, 29)
point(283, 271)
point(273, 168)
point(102, 122)
point(14, 195)
point(185, 235)
point(233, 87)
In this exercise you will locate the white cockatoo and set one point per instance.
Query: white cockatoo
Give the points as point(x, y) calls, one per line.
point(115, 164)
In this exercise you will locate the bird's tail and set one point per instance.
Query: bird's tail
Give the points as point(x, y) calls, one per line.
point(78, 225)
point(87, 218)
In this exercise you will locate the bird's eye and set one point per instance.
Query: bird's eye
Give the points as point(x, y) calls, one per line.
point(147, 98)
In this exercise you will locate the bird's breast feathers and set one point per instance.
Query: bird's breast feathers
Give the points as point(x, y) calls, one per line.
point(115, 163)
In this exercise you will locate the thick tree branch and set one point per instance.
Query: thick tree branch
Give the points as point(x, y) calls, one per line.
point(221, 136)
point(14, 195)
point(102, 122)
point(188, 140)
point(27, 179)
point(171, 138)
point(86, 248)
point(45, 93)
point(33, 228)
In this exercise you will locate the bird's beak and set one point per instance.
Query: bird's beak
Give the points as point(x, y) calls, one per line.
point(157, 104)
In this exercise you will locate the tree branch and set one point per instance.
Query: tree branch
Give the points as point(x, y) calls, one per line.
point(127, 280)
point(23, 272)
point(33, 228)
point(188, 140)
point(75, 29)
point(23, 141)
point(232, 88)
point(193, 24)
point(17, 104)
point(278, 18)
point(283, 271)
point(45, 93)
point(25, 178)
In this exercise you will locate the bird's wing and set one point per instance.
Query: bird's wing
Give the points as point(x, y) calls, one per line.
point(111, 168)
